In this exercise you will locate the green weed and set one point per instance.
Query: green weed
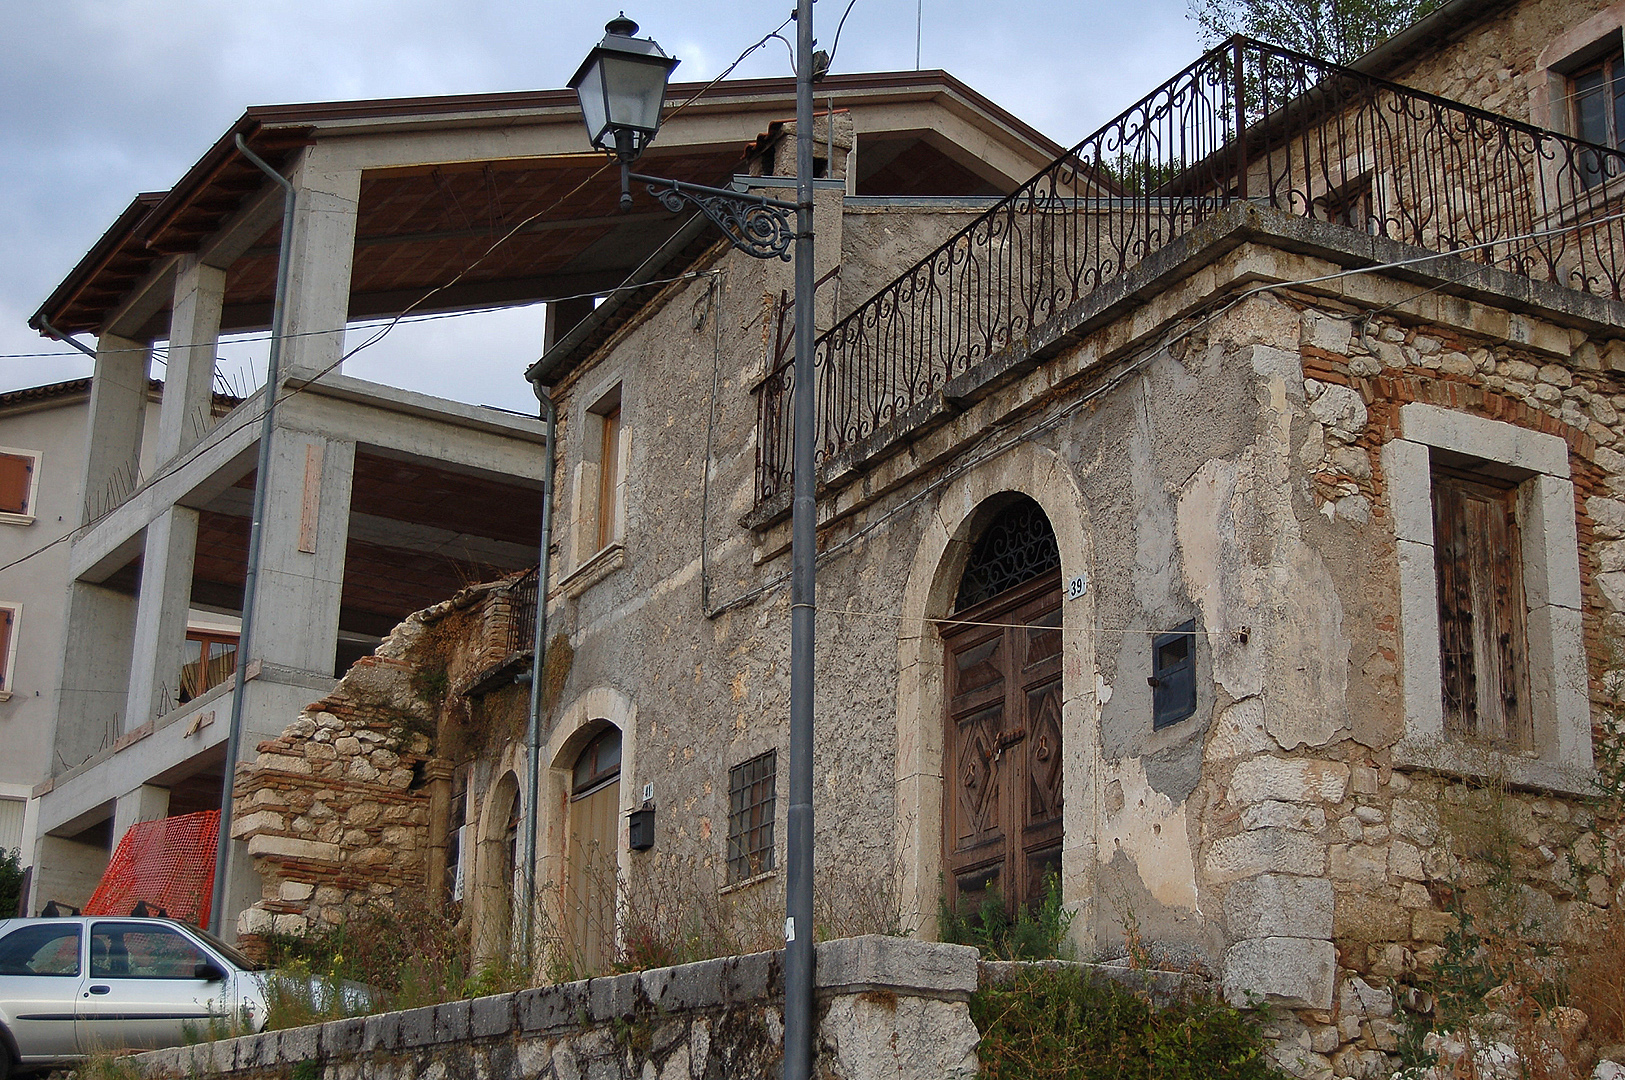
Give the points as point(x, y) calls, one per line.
point(1069, 1024)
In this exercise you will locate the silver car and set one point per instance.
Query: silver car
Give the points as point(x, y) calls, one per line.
point(70, 987)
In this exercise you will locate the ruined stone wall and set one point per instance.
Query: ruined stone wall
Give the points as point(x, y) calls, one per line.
point(337, 809)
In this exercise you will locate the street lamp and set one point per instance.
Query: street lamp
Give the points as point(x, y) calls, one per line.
point(622, 85)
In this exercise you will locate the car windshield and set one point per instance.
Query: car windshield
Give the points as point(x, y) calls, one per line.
point(228, 951)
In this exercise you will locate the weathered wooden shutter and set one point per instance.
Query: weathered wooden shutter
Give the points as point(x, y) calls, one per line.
point(1482, 639)
point(16, 482)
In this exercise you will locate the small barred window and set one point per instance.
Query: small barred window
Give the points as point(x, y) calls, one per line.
point(751, 792)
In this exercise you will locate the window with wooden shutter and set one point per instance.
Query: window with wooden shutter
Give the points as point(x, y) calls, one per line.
point(1483, 646)
point(8, 627)
point(16, 483)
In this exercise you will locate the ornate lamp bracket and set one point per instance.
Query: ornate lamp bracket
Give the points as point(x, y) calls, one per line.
point(758, 226)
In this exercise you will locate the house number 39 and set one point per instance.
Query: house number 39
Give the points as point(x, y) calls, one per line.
point(1076, 587)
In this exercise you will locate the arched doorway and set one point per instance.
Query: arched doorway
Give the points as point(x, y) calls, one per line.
point(1002, 760)
point(496, 868)
point(592, 865)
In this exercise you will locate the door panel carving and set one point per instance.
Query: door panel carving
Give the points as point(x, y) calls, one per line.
point(1002, 820)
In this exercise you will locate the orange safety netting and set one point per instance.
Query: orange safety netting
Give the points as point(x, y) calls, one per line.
point(166, 864)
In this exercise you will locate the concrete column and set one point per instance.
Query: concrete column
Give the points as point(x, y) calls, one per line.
point(194, 334)
point(118, 402)
point(160, 617)
point(319, 276)
point(95, 672)
point(307, 523)
point(296, 615)
point(149, 802)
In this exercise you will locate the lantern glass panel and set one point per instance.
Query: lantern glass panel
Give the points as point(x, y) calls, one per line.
point(635, 88)
point(590, 88)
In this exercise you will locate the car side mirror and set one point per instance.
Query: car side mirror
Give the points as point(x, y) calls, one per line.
point(209, 971)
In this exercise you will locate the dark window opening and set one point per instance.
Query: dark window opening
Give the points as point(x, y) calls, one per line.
point(1173, 676)
point(598, 764)
point(751, 795)
point(1599, 115)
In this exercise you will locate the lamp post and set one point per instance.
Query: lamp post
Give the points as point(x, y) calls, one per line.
point(622, 85)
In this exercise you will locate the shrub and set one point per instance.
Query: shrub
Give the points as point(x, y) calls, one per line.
point(11, 882)
point(1061, 1023)
point(1036, 933)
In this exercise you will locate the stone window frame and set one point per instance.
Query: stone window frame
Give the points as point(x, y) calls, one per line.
point(1551, 80)
point(26, 517)
point(593, 560)
point(1560, 759)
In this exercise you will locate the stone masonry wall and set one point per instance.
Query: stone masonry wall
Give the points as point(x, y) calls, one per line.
point(1348, 870)
point(336, 810)
point(888, 1009)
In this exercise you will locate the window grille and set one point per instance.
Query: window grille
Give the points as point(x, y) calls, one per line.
point(1016, 548)
point(751, 793)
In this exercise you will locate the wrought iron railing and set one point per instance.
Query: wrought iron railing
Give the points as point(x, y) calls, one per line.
point(521, 623)
point(1247, 122)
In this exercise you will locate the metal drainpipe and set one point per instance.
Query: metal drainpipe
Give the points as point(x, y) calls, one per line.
point(234, 734)
point(60, 336)
point(533, 730)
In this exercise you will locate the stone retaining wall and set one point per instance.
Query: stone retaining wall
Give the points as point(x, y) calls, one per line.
point(887, 1007)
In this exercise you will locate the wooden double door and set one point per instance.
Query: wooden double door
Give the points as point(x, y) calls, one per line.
point(1002, 759)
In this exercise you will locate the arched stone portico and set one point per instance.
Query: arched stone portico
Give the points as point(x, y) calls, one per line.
point(961, 512)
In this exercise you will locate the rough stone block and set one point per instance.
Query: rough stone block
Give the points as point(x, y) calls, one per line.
point(290, 847)
point(451, 1021)
point(1265, 851)
point(1279, 905)
point(1324, 332)
point(907, 1038)
point(876, 962)
point(614, 997)
point(300, 1043)
point(1339, 408)
point(343, 1037)
point(752, 977)
point(1296, 972)
point(688, 986)
point(417, 1026)
point(1283, 815)
point(382, 1032)
point(1297, 780)
point(551, 1008)
point(1372, 916)
point(489, 1016)
point(1431, 925)
point(1364, 864)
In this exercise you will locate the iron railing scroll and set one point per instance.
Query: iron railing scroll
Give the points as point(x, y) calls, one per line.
point(1246, 122)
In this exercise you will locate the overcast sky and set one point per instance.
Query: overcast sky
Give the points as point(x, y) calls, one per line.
point(101, 99)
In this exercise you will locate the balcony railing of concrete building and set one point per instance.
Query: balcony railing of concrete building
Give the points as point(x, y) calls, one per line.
point(1246, 123)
